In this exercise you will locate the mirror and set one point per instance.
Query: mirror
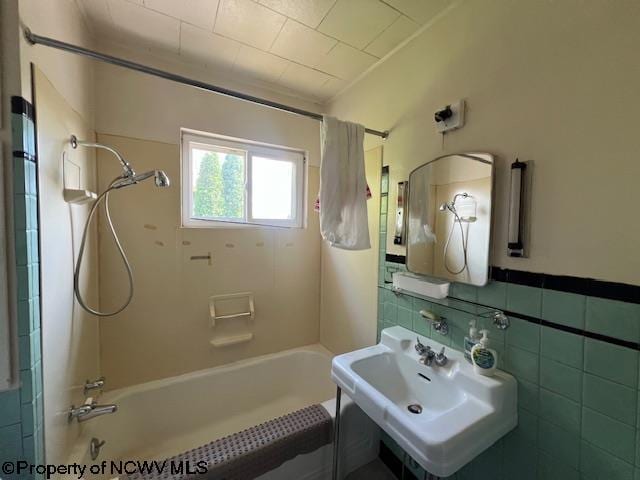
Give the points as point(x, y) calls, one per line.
point(449, 223)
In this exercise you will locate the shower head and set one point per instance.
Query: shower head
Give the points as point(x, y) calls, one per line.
point(448, 206)
point(161, 179)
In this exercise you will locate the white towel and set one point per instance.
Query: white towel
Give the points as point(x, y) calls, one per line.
point(343, 186)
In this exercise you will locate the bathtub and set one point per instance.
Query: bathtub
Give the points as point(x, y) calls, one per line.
point(159, 419)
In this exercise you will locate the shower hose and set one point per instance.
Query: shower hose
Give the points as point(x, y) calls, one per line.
point(76, 274)
point(464, 245)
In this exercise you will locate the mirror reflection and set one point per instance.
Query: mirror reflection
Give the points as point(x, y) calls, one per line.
point(449, 221)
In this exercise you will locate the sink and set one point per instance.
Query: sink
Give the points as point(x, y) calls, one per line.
point(442, 417)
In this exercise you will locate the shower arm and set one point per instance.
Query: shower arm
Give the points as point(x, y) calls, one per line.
point(128, 171)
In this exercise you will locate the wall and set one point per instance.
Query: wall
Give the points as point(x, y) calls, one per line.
point(348, 299)
point(70, 335)
point(166, 329)
point(137, 105)
point(23, 408)
point(536, 77)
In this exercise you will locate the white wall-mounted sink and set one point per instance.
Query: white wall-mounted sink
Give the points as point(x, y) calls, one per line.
point(463, 413)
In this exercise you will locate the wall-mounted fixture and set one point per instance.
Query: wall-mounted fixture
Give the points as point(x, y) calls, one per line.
point(515, 245)
point(439, 323)
point(226, 313)
point(449, 218)
point(421, 284)
point(401, 222)
point(450, 117)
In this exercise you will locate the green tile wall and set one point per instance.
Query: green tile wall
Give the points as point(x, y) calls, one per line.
point(578, 398)
point(21, 410)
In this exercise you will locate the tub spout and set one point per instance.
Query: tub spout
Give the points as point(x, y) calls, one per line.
point(97, 411)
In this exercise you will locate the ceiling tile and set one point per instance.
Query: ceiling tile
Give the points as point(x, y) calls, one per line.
point(346, 62)
point(259, 64)
point(357, 22)
point(248, 22)
point(309, 12)
point(207, 48)
point(420, 10)
point(399, 30)
point(303, 79)
point(201, 13)
point(330, 88)
point(160, 31)
point(302, 44)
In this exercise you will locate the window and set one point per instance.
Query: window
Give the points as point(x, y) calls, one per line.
point(236, 181)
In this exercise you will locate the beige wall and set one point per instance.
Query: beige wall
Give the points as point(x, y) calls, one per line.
point(70, 336)
point(71, 75)
point(166, 330)
point(136, 105)
point(539, 79)
point(349, 280)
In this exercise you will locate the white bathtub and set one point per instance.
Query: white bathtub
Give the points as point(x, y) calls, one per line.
point(159, 419)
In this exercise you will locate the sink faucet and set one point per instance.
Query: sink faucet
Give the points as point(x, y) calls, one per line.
point(91, 410)
point(427, 355)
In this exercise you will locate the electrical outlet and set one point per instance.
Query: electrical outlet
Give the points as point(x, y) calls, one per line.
point(450, 117)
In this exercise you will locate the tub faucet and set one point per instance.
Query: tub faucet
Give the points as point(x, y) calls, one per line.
point(97, 384)
point(91, 410)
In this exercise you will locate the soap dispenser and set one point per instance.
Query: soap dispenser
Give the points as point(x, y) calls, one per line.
point(471, 340)
point(484, 359)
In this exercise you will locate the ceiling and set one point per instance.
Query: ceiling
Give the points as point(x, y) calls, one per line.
point(311, 48)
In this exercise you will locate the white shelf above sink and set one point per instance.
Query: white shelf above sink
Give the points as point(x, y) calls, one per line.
point(420, 284)
point(461, 413)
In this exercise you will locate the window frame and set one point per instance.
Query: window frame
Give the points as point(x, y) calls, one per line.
point(189, 138)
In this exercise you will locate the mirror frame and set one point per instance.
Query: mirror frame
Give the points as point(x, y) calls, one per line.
point(483, 157)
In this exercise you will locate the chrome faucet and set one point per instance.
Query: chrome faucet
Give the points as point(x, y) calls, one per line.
point(94, 385)
point(91, 410)
point(427, 355)
point(441, 358)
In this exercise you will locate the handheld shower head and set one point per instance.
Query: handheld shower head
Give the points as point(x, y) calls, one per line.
point(161, 179)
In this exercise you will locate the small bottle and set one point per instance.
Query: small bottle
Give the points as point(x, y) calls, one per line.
point(484, 359)
point(471, 340)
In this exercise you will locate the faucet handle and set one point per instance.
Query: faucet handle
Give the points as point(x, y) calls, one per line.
point(420, 348)
point(96, 384)
point(441, 358)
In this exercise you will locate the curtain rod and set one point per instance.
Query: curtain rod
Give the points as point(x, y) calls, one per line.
point(34, 39)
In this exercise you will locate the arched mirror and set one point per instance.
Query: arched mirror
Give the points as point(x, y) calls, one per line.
point(449, 223)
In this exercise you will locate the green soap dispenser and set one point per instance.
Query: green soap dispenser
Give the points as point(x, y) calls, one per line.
point(484, 359)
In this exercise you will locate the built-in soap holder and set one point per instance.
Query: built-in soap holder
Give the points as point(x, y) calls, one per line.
point(420, 284)
point(72, 192)
point(231, 318)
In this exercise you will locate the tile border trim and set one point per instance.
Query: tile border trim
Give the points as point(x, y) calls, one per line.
point(21, 106)
point(590, 287)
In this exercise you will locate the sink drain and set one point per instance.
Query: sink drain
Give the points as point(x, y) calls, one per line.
point(415, 408)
